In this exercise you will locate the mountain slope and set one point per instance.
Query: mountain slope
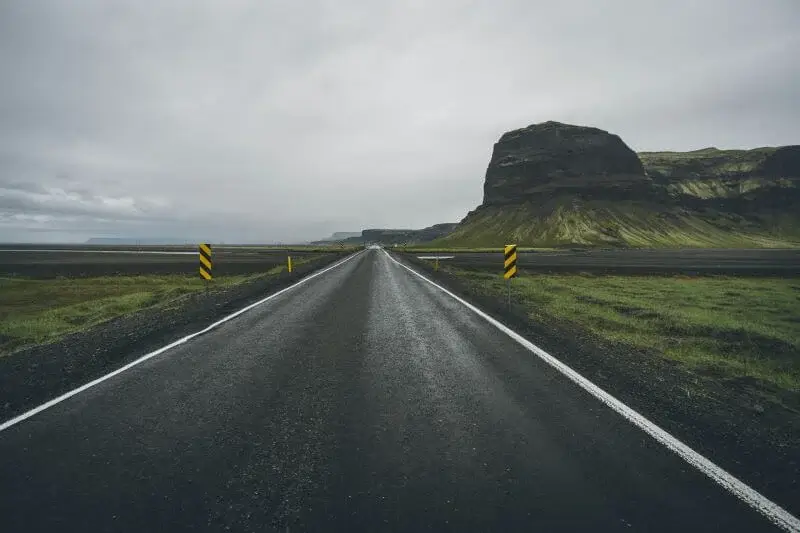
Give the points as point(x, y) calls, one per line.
point(555, 184)
point(563, 222)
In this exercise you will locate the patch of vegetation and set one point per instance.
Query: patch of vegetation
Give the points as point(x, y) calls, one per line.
point(40, 311)
point(710, 188)
point(729, 327)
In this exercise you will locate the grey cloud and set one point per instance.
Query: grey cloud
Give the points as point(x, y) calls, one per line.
point(56, 201)
point(290, 120)
point(21, 186)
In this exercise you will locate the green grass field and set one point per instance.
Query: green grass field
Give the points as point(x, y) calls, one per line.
point(724, 326)
point(40, 311)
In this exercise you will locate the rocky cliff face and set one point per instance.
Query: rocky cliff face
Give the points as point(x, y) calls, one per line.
point(739, 181)
point(784, 162)
point(550, 161)
point(713, 163)
point(550, 158)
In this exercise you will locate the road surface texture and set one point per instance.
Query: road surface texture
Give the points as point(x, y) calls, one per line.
point(365, 399)
point(761, 262)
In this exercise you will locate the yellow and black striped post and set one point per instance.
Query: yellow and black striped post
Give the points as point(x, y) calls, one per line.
point(510, 261)
point(289, 263)
point(509, 267)
point(206, 270)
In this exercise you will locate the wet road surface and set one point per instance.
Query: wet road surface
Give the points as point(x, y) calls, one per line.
point(363, 400)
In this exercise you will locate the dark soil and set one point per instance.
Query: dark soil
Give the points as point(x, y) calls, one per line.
point(34, 375)
point(752, 432)
point(82, 264)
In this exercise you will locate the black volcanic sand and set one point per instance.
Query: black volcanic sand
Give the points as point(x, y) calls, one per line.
point(76, 261)
point(750, 262)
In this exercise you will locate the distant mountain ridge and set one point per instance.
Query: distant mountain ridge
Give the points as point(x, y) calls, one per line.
point(398, 236)
point(342, 235)
point(555, 184)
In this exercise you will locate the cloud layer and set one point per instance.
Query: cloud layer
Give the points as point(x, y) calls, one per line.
point(281, 121)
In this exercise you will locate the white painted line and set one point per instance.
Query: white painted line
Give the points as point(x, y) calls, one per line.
point(70, 394)
point(771, 510)
point(436, 257)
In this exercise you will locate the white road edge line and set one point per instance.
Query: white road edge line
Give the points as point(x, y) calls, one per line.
point(771, 510)
point(73, 392)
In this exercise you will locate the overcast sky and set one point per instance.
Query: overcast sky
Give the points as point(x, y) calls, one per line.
point(284, 121)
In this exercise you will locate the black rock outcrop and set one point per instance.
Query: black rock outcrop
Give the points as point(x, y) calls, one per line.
point(551, 158)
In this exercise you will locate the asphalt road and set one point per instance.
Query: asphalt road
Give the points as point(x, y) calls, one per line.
point(362, 400)
point(753, 262)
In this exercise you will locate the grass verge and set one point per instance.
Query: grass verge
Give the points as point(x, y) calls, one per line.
point(728, 327)
point(40, 311)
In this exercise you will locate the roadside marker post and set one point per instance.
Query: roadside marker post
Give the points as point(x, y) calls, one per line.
point(436, 264)
point(289, 263)
point(509, 267)
point(206, 264)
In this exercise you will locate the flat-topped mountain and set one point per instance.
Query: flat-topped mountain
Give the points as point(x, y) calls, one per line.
point(554, 184)
point(553, 158)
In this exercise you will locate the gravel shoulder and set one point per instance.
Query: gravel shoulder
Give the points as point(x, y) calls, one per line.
point(31, 376)
point(727, 421)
